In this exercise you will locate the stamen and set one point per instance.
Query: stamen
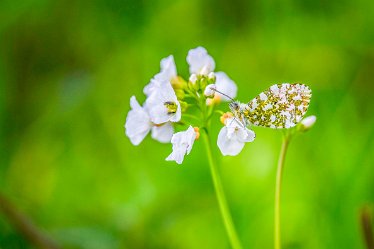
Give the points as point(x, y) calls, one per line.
point(171, 106)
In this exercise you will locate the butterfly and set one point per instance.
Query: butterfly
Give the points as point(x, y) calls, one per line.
point(280, 106)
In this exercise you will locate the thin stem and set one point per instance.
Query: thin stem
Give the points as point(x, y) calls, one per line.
point(223, 207)
point(277, 232)
point(25, 227)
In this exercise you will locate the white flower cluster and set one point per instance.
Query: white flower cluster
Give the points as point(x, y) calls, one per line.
point(170, 99)
point(163, 109)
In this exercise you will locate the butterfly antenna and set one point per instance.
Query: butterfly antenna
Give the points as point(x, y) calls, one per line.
point(222, 93)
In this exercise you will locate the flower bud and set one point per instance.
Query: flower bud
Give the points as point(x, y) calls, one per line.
point(211, 78)
point(193, 78)
point(180, 93)
point(184, 106)
point(307, 123)
point(178, 83)
point(210, 91)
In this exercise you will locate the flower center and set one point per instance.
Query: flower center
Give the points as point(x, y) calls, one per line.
point(171, 106)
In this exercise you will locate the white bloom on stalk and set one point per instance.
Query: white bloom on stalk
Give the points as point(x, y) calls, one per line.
point(201, 63)
point(138, 125)
point(162, 104)
point(182, 144)
point(167, 73)
point(307, 123)
point(233, 136)
point(225, 85)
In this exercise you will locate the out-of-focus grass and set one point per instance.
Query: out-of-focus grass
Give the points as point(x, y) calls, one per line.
point(68, 69)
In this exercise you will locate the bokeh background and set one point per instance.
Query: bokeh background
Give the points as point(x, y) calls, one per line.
point(68, 69)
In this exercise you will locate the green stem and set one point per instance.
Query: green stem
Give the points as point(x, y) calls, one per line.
point(277, 238)
point(225, 213)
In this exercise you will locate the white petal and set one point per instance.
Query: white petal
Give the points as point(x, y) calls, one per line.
point(233, 126)
point(248, 136)
point(177, 155)
point(134, 104)
point(163, 133)
point(158, 112)
point(228, 147)
point(168, 69)
point(190, 137)
point(154, 84)
point(225, 85)
point(200, 61)
point(137, 123)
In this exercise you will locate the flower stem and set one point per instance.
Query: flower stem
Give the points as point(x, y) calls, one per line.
point(223, 207)
point(25, 226)
point(277, 238)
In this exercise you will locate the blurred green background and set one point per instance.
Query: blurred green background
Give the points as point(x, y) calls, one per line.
point(68, 69)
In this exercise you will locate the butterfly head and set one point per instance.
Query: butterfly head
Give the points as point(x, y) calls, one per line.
point(234, 107)
point(238, 110)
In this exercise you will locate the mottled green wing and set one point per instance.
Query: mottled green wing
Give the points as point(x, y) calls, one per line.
point(280, 106)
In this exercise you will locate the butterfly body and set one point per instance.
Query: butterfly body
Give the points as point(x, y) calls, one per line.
point(280, 106)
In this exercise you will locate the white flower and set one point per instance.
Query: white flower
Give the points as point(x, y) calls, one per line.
point(225, 85)
point(182, 144)
point(138, 123)
point(167, 73)
point(210, 90)
point(200, 61)
point(307, 123)
point(162, 104)
point(233, 136)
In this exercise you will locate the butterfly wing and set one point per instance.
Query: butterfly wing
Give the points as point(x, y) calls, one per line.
point(280, 106)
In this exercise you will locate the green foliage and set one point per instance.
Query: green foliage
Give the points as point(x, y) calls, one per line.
point(68, 69)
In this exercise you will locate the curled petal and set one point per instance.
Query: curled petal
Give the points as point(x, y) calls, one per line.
point(182, 144)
